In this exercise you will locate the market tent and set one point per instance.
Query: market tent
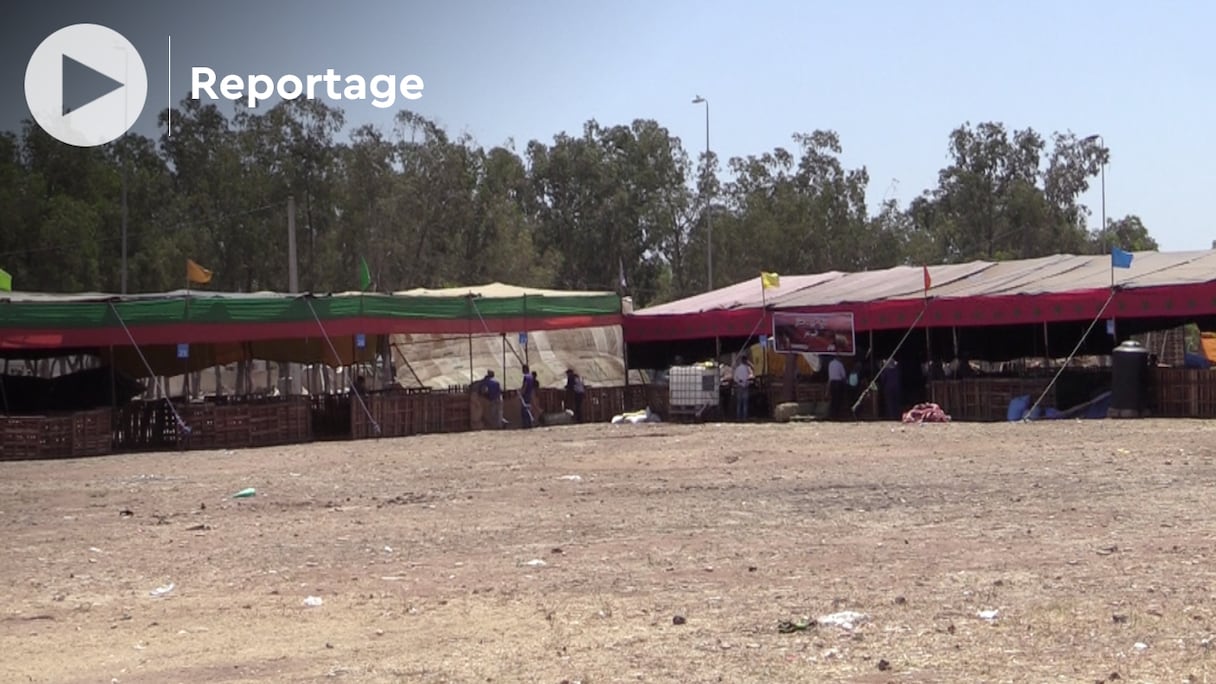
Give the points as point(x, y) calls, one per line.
point(1053, 289)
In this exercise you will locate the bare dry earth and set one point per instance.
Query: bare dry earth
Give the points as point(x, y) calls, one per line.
point(1088, 538)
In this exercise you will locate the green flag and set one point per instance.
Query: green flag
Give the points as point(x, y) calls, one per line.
point(365, 275)
point(6, 281)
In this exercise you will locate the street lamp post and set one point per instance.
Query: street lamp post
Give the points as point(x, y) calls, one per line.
point(1102, 143)
point(709, 214)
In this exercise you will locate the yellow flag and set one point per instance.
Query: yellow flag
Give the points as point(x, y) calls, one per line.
point(197, 274)
point(769, 281)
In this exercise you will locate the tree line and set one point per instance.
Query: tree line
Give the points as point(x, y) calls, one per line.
point(429, 209)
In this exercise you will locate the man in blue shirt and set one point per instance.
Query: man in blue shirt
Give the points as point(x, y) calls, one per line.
point(526, 391)
point(492, 391)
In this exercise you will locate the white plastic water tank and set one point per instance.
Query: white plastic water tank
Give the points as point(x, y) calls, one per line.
point(692, 386)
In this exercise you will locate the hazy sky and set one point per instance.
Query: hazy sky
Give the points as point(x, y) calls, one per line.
point(893, 79)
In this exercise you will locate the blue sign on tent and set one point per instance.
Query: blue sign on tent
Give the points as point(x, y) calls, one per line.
point(523, 339)
point(360, 341)
point(763, 341)
point(183, 350)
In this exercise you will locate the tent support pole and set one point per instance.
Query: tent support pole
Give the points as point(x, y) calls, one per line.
point(337, 359)
point(469, 319)
point(527, 337)
point(625, 357)
point(504, 359)
point(163, 391)
point(4, 390)
point(1075, 349)
point(874, 380)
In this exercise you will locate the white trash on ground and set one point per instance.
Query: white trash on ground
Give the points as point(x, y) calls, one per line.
point(162, 591)
point(847, 619)
point(636, 417)
point(313, 601)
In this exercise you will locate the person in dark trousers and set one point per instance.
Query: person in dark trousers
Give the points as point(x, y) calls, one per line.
point(574, 394)
point(837, 387)
point(493, 392)
point(526, 392)
point(892, 390)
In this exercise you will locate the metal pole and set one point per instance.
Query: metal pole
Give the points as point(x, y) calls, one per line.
point(709, 209)
point(709, 221)
point(124, 224)
point(1104, 234)
point(293, 275)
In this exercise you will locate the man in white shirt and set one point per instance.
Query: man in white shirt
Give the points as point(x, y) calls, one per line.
point(743, 378)
point(837, 382)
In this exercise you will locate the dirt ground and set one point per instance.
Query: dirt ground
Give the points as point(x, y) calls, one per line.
point(481, 558)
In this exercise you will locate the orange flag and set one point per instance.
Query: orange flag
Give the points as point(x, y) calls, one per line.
point(928, 281)
point(197, 274)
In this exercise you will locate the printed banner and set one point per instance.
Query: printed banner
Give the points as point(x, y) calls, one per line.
point(817, 333)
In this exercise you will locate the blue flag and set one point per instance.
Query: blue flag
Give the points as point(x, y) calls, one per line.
point(1120, 259)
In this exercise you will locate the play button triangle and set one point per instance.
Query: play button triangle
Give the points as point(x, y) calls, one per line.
point(83, 84)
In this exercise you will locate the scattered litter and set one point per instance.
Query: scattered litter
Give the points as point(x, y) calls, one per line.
point(636, 417)
point(162, 591)
point(245, 493)
point(294, 474)
point(388, 549)
point(572, 478)
point(678, 620)
point(201, 527)
point(392, 578)
point(1140, 646)
point(1107, 550)
point(536, 563)
point(313, 601)
point(847, 619)
point(788, 627)
point(94, 549)
point(988, 614)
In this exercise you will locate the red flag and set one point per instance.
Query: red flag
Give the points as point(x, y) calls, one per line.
point(928, 280)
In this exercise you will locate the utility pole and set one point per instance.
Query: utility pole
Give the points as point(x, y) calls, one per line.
point(124, 223)
point(293, 273)
point(709, 213)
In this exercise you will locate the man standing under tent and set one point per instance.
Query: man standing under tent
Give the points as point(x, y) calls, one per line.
point(493, 393)
point(743, 379)
point(837, 386)
point(526, 392)
point(574, 394)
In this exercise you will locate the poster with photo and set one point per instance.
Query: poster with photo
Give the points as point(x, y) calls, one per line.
point(815, 333)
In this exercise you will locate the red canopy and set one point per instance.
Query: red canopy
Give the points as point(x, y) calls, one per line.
point(980, 293)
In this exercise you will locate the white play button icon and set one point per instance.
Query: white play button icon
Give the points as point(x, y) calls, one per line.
point(86, 85)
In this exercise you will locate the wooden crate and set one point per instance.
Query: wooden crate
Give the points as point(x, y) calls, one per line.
point(246, 424)
point(1182, 393)
point(331, 416)
point(72, 435)
point(985, 399)
point(400, 414)
point(143, 426)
